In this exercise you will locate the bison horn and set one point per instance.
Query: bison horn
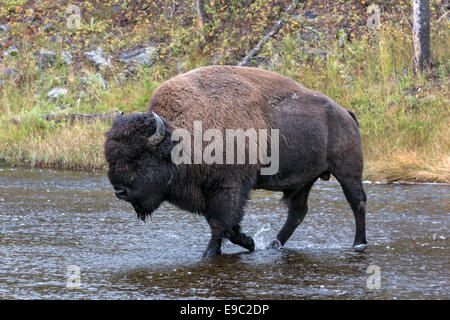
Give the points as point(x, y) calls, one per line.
point(160, 131)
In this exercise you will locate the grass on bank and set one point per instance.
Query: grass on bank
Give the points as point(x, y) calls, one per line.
point(404, 118)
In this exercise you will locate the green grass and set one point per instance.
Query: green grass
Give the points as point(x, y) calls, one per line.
point(404, 117)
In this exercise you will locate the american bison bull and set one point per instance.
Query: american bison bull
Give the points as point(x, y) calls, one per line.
point(313, 137)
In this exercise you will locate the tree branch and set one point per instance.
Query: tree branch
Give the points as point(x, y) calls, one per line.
point(271, 33)
point(72, 117)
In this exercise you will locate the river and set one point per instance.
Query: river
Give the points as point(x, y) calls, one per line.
point(63, 235)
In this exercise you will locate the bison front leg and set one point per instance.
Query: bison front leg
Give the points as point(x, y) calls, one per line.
point(234, 234)
point(237, 237)
point(224, 213)
point(215, 243)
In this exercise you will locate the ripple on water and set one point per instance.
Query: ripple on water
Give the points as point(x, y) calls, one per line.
point(52, 219)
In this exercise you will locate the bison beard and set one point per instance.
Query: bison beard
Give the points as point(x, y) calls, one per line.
point(317, 138)
point(141, 213)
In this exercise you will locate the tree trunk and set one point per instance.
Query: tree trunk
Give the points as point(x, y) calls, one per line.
point(201, 17)
point(421, 34)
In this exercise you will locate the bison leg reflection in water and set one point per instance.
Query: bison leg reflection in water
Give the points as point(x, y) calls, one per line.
point(316, 137)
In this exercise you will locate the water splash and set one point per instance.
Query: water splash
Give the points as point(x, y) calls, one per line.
point(262, 237)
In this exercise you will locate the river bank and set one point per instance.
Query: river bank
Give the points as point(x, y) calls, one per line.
point(107, 66)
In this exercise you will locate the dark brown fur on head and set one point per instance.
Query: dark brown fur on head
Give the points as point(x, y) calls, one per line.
point(134, 163)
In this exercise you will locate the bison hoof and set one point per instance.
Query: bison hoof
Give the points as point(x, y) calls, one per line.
point(360, 247)
point(211, 253)
point(249, 244)
point(275, 244)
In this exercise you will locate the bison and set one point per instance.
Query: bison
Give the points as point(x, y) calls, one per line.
point(317, 138)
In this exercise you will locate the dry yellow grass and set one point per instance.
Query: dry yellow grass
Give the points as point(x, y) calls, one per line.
point(408, 166)
point(404, 117)
point(77, 146)
point(430, 163)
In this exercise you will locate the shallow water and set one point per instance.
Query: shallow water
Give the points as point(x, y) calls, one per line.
point(50, 220)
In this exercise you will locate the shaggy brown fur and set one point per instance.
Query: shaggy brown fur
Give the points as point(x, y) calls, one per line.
point(317, 137)
point(223, 97)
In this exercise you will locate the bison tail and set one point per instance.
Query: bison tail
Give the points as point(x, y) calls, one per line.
point(353, 116)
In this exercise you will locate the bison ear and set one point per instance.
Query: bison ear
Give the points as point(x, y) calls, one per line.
point(160, 131)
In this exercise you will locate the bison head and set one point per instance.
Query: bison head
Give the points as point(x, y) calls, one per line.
point(137, 150)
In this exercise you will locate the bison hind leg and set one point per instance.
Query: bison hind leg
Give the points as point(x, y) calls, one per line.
point(356, 197)
point(297, 201)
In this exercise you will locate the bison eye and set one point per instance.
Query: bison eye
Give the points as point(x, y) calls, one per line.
point(141, 158)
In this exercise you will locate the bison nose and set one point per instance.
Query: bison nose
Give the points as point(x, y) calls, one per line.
point(121, 194)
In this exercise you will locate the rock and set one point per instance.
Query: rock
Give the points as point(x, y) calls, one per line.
point(143, 56)
point(55, 93)
point(98, 57)
point(4, 28)
point(45, 58)
point(8, 73)
point(67, 57)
